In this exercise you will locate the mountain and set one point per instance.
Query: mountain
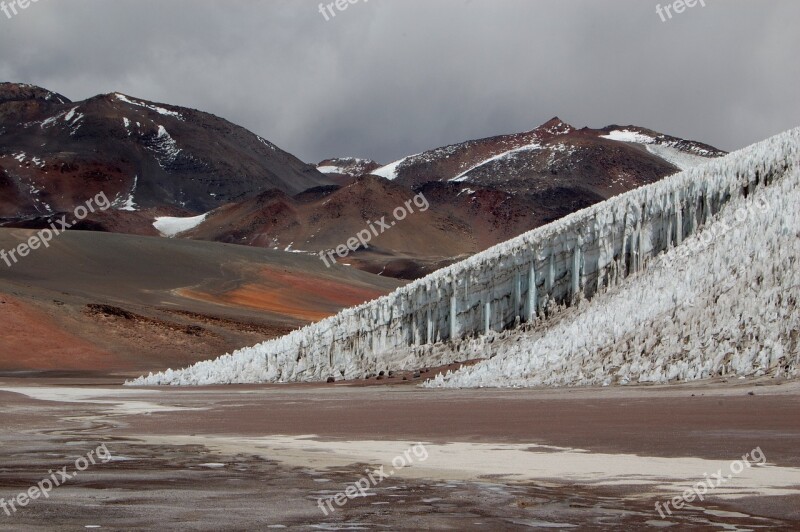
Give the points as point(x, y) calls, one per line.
point(689, 278)
point(343, 169)
point(605, 161)
point(54, 154)
point(454, 224)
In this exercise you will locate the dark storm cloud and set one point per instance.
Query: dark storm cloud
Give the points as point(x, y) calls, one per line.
point(386, 78)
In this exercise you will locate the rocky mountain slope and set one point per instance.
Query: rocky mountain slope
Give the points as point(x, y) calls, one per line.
point(54, 154)
point(604, 162)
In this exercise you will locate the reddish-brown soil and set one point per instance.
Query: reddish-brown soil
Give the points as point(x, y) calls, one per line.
point(290, 294)
point(102, 303)
point(32, 340)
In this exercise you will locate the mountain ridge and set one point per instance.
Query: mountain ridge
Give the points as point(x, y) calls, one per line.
point(55, 151)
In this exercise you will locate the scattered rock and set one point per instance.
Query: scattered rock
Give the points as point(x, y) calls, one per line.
point(331, 380)
point(194, 330)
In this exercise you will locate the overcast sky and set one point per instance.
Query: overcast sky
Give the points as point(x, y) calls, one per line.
point(387, 78)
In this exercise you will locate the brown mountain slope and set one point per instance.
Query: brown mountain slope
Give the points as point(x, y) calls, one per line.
point(323, 219)
point(448, 222)
point(606, 161)
point(54, 154)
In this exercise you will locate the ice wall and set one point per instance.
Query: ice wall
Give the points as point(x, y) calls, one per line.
point(723, 304)
point(527, 279)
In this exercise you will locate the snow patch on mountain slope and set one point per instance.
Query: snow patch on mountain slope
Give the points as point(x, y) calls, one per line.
point(157, 109)
point(725, 302)
point(503, 150)
point(510, 142)
point(676, 157)
point(128, 204)
point(622, 135)
point(67, 115)
point(502, 147)
point(170, 226)
point(164, 147)
point(350, 166)
point(510, 154)
point(331, 169)
point(267, 143)
point(390, 170)
point(681, 154)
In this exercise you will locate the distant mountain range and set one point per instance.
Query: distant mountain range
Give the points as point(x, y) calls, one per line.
point(158, 161)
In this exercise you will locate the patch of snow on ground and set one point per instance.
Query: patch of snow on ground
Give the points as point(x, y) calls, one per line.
point(692, 155)
point(267, 143)
point(68, 117)
point(499, 157)
point(389, 171)
point(331, 169)
point(165, 147)
point(53, 119)
point(128, 204)
point(676, 157)
point(157, 109)
point(629, 136)
point(171, 227)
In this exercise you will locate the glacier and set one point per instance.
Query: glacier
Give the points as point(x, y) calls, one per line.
point(618, 292)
